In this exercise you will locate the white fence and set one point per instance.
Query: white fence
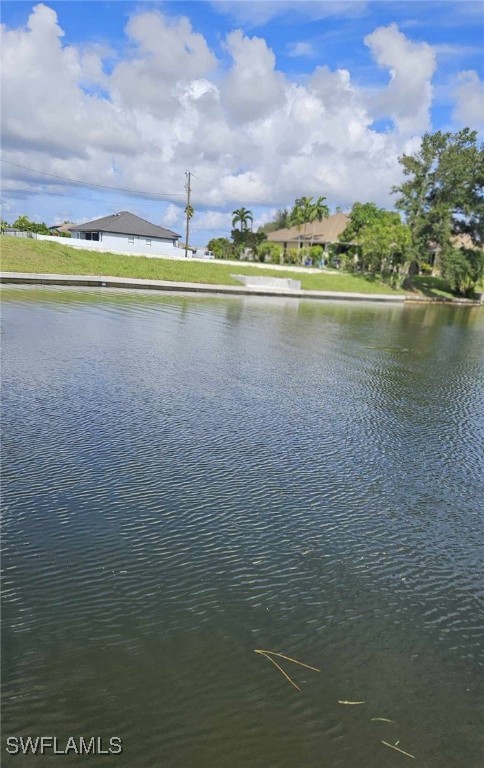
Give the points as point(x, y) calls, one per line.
point(17, 233)
point(167, 251)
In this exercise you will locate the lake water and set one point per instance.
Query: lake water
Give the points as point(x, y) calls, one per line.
point(188, 479)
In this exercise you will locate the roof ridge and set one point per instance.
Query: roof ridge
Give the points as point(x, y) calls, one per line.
point(125, 222)
point(140, 218)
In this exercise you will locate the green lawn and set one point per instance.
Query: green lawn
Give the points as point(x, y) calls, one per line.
point(25, 255)
point(436, 287)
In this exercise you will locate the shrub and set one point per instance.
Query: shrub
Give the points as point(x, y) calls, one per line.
point(348, 262)
point(268, 251)
point(463, 268)
point(292, 256)
point(316, 252)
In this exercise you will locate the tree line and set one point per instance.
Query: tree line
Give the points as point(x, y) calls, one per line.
point(442, 202)
point(24, 224)
point(442, 231)
point(304, 211)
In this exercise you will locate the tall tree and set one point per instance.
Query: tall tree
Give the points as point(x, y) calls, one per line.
point(25, 225)
point(246, 239)
point(442, 196)
point(381, 240)
point(320, 212)
point(297, 219)
point(302, 213)
point(242, 216)
point(280, 221)
point(222, 248)
point(305, 211)
point(362, 215)
point(243, 238)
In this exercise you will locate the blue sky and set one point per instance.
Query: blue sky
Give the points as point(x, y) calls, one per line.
point(262, 101)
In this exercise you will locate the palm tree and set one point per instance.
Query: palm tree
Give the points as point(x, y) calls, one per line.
point(302, 214)
point(296, 219)
point(306, 211)
point(242, 216)
point(320, 211)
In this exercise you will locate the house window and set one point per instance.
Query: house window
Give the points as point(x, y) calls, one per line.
point(92, 236)
point(148, 241)
point(130, 240)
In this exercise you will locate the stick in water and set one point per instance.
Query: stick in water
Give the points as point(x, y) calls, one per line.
point(398, 750)
point(382, 719)
point(261, 653)
point(351, 702)
point(288, 658)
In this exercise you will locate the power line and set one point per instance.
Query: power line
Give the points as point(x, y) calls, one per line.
point(93, 184)
point(8, 204)
point(232, 191)
point(78, 196)
point(168, 195)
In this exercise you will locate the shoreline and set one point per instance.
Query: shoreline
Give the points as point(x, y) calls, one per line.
point(107, 281)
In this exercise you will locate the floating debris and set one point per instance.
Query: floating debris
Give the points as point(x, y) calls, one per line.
point(280, 669)
point(382, 719)
point(288, 658)
point(351, 702)
point(270, 654)
point(397, 749)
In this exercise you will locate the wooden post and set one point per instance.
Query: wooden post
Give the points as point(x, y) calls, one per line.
point(187, 231)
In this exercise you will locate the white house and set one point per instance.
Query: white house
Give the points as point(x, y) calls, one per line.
point(125, 232)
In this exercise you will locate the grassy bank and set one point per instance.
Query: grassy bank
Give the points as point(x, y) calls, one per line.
point(25, 255)
point(438, 288)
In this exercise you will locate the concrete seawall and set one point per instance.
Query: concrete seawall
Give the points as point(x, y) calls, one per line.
point(101, 281)
point(97, 281)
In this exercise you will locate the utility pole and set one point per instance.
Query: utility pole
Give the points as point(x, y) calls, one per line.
point(187, 210)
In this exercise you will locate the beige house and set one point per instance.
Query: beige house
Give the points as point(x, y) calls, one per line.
point(322, 233)
point(58, 228)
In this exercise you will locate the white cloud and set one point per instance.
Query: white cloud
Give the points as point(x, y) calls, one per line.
point(167, 53)
point(452, 49)
point(212, 220)
point(334, 90)
point(301, 49)
point(253, 87)
point(257, 13)
point(264, 218)
point(45, 106)
point(173, 215)
point(249, 133)
point(408, 96)
point(469, 100)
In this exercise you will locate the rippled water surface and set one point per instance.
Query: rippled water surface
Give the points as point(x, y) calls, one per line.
point(186, 480)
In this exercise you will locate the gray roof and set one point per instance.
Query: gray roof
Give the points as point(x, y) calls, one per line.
point(125, 223)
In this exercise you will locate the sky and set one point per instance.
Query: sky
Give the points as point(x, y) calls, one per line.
point(106, 105)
